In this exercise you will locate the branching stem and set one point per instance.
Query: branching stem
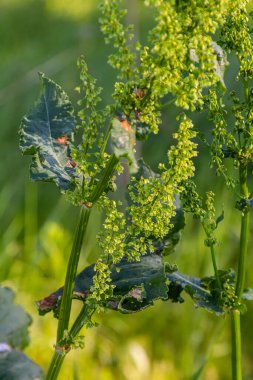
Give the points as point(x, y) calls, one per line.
point(65, 307)
point(59, 355)
point(62, 348)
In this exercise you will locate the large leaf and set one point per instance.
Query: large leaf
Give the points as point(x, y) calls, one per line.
point(201, 296)
point(14, 321)
point(44, 134)
point(137, 285)
point(123, 140)
point(15, 365)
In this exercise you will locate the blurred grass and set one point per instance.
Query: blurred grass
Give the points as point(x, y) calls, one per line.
point(166, 341)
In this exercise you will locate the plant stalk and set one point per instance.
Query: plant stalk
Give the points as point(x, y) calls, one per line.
point(235, 314)
point(83, 317)
point(55, 365)
point(65, 307)
point(236, 345)
point(215, 267)
point(59, 354)
point(243, 255)
point(66, 302)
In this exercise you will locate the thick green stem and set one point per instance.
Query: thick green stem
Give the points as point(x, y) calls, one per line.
point(59, 354)
point(55, 365)
point(243, 255)
point(235, 314)
point(65, 307)
point(215, 267)
point(244, 235)
point(236, 345)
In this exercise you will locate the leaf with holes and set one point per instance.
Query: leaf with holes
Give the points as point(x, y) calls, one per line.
point(137, 285)
point(193, 286)
point(45, 133)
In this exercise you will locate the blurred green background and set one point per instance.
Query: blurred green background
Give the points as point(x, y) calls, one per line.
point(167, 341)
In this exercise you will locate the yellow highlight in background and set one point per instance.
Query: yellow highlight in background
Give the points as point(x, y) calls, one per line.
point(76, 9)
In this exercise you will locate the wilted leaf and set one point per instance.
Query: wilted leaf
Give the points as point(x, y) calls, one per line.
point(14, 321)
point(201, 296)
point(45, 133)
point(220, 62)
point(137, 285)
point(123, 140)
point(15, 365)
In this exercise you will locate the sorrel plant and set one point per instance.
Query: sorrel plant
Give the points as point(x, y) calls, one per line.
point(182, 63)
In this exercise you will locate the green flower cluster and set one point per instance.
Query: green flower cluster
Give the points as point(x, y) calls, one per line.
point(120, 35)
point(209, 220)
point(179, 57)
point(150, 212)
point(236, 37)
point(223, 143)
point(180, 156)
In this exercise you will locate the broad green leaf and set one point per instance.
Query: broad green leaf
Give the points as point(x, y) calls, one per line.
point(14, 365)
point(226, 276)
point(137, 285)
point(45, 134)
point(14, 321)
point(123, 140)
point(201, 296)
